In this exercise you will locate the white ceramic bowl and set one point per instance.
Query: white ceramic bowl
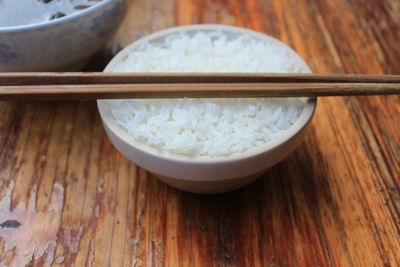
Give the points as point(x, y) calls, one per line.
point(205, 174)
point(61, 44)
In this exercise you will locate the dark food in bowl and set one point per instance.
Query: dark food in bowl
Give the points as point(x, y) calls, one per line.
point(24, 12)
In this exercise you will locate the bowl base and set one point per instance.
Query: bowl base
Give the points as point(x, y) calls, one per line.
point(75, 66)
point(209, 187)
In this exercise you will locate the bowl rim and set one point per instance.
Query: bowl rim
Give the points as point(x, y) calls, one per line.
point(109, 122)
point(33, 26)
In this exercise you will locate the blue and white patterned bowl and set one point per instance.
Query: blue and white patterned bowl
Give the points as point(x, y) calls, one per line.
point(61, 44)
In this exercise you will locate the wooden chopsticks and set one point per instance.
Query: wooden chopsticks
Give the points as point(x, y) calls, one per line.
point(85, 86)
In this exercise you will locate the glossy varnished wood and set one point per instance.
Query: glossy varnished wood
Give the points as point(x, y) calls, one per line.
point(334, 202)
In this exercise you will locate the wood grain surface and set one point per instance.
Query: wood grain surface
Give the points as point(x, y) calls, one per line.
point(68, 198)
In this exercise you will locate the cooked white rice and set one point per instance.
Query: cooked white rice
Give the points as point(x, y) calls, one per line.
point(208, 127)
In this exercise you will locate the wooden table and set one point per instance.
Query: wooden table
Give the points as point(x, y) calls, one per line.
point(68, 197)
